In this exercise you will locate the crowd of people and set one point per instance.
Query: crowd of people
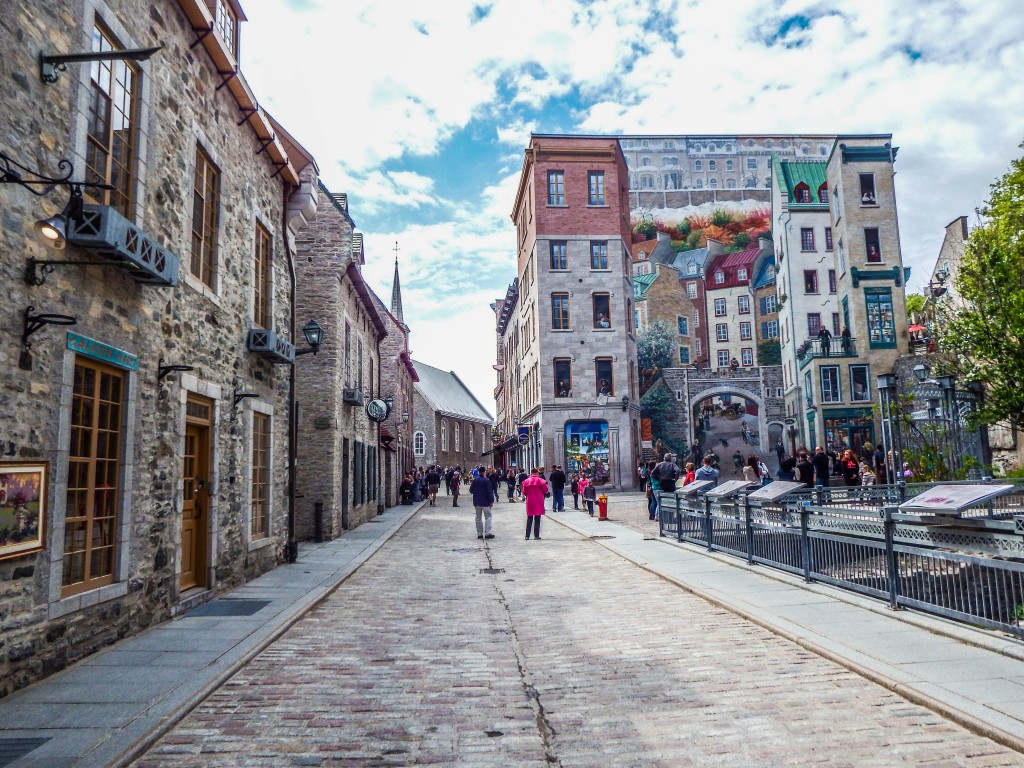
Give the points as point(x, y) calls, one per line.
point(485, 485)
point(818, 468)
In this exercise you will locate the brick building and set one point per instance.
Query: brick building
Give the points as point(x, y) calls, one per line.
point(146, 437)
point(575, 340)
point(728, 284)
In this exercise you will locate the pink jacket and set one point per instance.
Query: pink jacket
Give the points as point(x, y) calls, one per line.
point(534, 489)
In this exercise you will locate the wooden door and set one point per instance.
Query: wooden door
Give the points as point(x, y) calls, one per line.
point(195, 505)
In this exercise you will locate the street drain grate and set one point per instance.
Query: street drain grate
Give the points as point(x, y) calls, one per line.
point(219, 608)
point(601, 537)
point(492, 734)
point(15, 749)
point(492, 571)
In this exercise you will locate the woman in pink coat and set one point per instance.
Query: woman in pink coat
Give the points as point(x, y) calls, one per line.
point(535, 488)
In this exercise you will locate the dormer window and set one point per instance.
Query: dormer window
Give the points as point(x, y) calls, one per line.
point(225, 21)
point(719, 277)
point(823, 194)
point(802, 193)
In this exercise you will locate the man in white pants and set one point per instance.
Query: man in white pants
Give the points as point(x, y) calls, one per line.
point(483, 499)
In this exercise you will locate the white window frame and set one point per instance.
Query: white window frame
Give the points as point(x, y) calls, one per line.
point(419, 443)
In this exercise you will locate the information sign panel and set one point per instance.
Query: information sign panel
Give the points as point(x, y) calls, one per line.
point(694, 487)
point(728, 488)
point(952, 499)
point(775, 490)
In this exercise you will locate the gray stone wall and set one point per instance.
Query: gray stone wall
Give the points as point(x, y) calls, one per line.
point(344, 481)
point(42, 628)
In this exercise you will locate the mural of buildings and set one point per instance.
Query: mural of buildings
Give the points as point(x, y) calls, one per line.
point(730, 304)
point(830, 386)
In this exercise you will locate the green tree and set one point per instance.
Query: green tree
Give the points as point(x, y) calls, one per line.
point(915, 303)
point(654, 350)
point(657, 404)
point(769, 352)
point(983, 337)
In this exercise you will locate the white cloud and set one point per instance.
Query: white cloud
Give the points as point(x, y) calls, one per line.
point(368, 86)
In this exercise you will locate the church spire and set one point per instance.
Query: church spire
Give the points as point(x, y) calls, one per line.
point(396, 292)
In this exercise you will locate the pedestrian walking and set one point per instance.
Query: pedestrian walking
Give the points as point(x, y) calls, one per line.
point(483, 500)
point(805, 470)
point(849, 468)
point(433, 483)
point(589, 495)
point(574, 486)
point(821, 464)
point(780, 450)
point(751, 470)
point(654, 483)
point(510, 485)
point(456, 482)
point(535, 488)
point(520, 478)
point(557, 482)
point(668, 473)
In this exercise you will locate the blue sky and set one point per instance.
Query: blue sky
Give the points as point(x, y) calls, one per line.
point(421, 112)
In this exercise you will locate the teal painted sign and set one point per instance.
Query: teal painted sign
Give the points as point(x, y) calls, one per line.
point(103, 352)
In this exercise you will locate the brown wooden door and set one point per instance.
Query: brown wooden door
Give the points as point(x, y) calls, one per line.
point(195, 506)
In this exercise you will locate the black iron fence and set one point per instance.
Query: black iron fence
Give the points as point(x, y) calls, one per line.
point(969, 569)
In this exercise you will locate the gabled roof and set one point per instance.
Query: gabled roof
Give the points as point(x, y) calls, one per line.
point(645, 246)
point(729, 263)
point(683, 259)
point(447, 395)
point(792, 173)
point(762, 280)
point(641, 283)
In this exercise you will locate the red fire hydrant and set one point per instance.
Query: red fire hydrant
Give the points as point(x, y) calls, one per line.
point(602, 507)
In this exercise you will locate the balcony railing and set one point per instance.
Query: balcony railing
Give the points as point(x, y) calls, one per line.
point(838, 347)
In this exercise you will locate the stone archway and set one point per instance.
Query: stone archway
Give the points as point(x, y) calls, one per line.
point(760, 385)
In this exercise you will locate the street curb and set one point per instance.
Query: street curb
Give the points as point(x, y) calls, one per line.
point(908, 692)
point(143, 743)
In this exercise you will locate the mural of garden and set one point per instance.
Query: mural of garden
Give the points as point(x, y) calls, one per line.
point(736, 229)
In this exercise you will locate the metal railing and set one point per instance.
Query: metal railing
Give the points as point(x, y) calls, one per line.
point(969, 570)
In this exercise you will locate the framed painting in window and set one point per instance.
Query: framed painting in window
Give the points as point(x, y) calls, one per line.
point(22, 507)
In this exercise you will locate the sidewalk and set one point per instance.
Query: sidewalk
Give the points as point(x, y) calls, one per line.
point(110, 707)
point(974, 677)
point(107, 709)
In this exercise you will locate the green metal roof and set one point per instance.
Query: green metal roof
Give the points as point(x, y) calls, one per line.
point(641, 283)
point(810, 172)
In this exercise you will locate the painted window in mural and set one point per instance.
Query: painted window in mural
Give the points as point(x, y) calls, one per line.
point(586, 450)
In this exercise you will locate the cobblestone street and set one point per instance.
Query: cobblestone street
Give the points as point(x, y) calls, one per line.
point(447, 650)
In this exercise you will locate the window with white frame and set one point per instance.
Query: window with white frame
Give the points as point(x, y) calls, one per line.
point(743, 304)
point(830, 389)
point(741, 273)
point(456, 431)
point(444, 435)
point(556, 187)
point(596, 185)
point(747, 357)
point(691, 290)
point(419, 444)
point(745, 332)
point(683, 325)
point(722, 331)
point(720, 308)
point(691, 268)
point(719, 277)
point(723, 358)
point(684, 355)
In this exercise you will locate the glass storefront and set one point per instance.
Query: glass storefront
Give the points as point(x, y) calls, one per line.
point(586, 450)
point(848, 428)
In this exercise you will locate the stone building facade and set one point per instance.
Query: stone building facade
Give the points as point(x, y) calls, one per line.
point(159, 420)
point(398, 375)
point(578, 392)
point(339, 449)
point(452, 428)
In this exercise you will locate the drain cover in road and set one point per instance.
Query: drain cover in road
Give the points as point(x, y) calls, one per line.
point(229, 608)
point(15, 749)
point(492, 571)
point(601, 537)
